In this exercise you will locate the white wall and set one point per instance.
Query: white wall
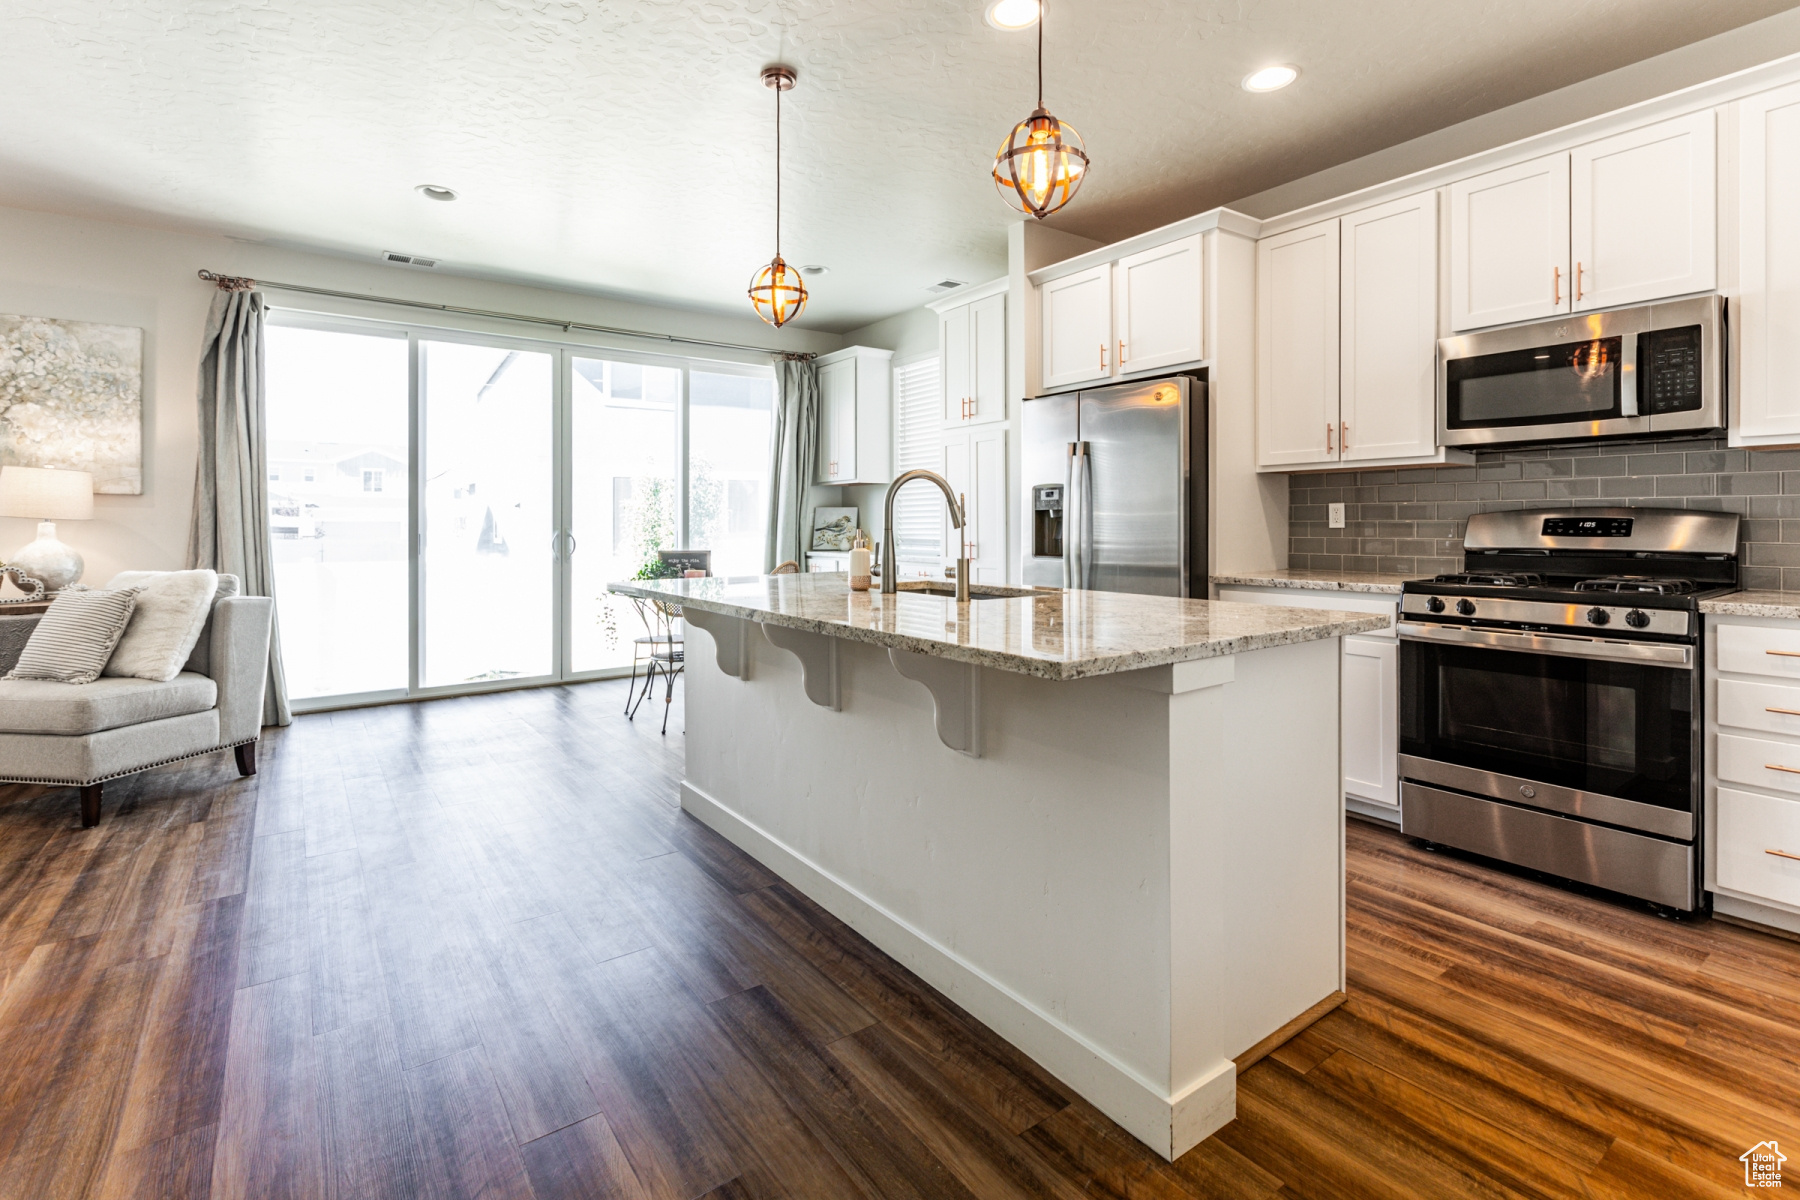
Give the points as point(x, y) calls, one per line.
point(1700, 62)
point(85, 270)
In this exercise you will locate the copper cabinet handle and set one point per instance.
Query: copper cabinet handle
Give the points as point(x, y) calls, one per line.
point(1783, 854)
point(1344, 435)
point(1778, 767)
point(1578, 283)
point(1103, 356)
point(1786, 712)
point(1783, 653)
point(1329, 430)
point(1556, 285)
point(1121, 353)
point(833, 468)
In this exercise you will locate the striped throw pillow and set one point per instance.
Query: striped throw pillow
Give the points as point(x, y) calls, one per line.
point(76, 636)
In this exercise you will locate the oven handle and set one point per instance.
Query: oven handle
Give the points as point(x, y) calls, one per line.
point(1549, 643)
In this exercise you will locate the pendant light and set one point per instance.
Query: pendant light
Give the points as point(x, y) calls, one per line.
point(777, 292)
point(1042, 161)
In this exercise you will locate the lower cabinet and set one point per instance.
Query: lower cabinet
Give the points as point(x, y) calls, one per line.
point(1369, 681)
point(1752, 818)
point(1369, 701)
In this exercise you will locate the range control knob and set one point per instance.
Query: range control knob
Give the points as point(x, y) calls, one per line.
point(1637, 618)
point(1435, 604)
point(1598, 616)
point(1466, 607)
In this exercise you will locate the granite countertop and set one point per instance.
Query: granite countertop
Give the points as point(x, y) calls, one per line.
point(1318, 581)
point(1780, 605)
point(1053, 634)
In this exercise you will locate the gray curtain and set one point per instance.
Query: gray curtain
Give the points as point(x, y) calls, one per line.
point(793, 459)
point(230, 533)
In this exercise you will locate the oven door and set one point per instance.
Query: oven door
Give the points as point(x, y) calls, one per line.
point(1601, 730)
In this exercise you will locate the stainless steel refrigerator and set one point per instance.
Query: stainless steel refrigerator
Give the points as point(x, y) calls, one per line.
point(1115, 488)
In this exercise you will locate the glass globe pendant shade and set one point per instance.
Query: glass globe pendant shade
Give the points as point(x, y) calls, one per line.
point(1040, 165)
point(778, 293)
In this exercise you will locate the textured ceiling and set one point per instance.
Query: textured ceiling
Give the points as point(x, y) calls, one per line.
point(624, 146)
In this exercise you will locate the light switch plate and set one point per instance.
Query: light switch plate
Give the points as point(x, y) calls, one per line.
point(1335, 515)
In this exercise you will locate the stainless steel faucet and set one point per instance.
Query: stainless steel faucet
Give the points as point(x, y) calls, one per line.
point(890, 573)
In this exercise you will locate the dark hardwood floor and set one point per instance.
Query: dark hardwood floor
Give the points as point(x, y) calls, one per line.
point(471, 948)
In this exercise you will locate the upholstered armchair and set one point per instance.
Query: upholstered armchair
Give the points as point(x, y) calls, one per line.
point(82, 735)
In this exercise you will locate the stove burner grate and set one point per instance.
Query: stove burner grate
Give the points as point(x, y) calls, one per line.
point(1637, 583)
point(1492, 579)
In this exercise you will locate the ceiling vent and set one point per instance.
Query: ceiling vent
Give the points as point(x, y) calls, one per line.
point(408, 260)
point(946, 285)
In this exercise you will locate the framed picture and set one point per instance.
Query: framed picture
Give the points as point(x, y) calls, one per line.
point(833, 528)
point(679, 562)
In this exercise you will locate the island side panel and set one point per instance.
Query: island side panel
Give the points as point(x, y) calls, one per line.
point(1030, 884)
point(1255, 867)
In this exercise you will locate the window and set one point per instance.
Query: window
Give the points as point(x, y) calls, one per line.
point(918, 442)
point(546, 470)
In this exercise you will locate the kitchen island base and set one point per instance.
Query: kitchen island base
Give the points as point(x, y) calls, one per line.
point(1133, 878)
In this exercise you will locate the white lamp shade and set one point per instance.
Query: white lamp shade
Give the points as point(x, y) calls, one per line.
point(46, 494)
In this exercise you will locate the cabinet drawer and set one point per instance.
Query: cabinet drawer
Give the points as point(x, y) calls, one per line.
point(1754, 650)
point(1772, 765)
point(1751, 829)
point(1769, 707)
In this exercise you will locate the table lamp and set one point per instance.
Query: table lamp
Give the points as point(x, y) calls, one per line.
point(49, 495)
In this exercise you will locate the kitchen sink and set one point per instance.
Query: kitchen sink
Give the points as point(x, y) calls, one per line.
point(977, 591)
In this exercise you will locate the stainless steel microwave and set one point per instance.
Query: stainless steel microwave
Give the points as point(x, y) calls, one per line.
point(1657, 368)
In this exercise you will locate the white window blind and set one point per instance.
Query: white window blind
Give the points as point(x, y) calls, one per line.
point(918, 442)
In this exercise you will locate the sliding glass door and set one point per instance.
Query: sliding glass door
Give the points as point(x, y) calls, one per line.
point(448, 509)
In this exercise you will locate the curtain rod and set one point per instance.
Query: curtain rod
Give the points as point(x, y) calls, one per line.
point(565, 326)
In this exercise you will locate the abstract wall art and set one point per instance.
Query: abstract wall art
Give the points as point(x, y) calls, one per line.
point(72, 395)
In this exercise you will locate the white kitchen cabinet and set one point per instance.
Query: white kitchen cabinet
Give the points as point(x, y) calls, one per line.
point(1077, 327)
point(855, 416)
point(1765, 313)
point(1297, 346)
point(1158, 307)
point(1752, 810)
point(975, 465)
point(1509, 244)
point(1623, 220)
point(972, 342)
point(1641, 214)
point(1388, 313)
point(1370, 687)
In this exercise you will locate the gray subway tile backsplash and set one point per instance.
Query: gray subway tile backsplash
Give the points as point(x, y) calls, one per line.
point(1411, 521)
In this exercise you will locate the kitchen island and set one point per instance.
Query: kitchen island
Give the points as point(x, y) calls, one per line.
point(1109, 826)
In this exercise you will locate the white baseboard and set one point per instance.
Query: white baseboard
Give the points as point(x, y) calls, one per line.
point(1171, 1124)
point(1387, 814)
point(1757, 914)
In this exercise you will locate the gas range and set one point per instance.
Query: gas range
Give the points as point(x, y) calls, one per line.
point(1551, 695)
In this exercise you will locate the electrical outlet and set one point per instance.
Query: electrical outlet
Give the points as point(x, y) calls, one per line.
point(1335, 515)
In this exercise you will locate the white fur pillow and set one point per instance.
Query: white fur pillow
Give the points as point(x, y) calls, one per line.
point(172, 607)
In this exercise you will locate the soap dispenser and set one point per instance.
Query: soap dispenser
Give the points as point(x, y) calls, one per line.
point(859, 563)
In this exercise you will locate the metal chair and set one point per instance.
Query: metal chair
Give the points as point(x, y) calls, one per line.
point(660, 652)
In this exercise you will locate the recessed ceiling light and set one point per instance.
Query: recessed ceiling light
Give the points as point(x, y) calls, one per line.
point(1012, 14)
point(814, 269)
point(432, 191)
point(1270, 79)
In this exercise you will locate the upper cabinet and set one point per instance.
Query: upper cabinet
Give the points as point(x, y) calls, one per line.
point(1144, 312)
point(1387, 312)
point(975, 466)
point(1297, 346)
point(1641, 214)
point(1509, 244)
point(972, 340)
point(1766, 312)
point(1077, 313)
point(855, 416)
point(1157, 309)
point(1624, 220)
point(1346, 325)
